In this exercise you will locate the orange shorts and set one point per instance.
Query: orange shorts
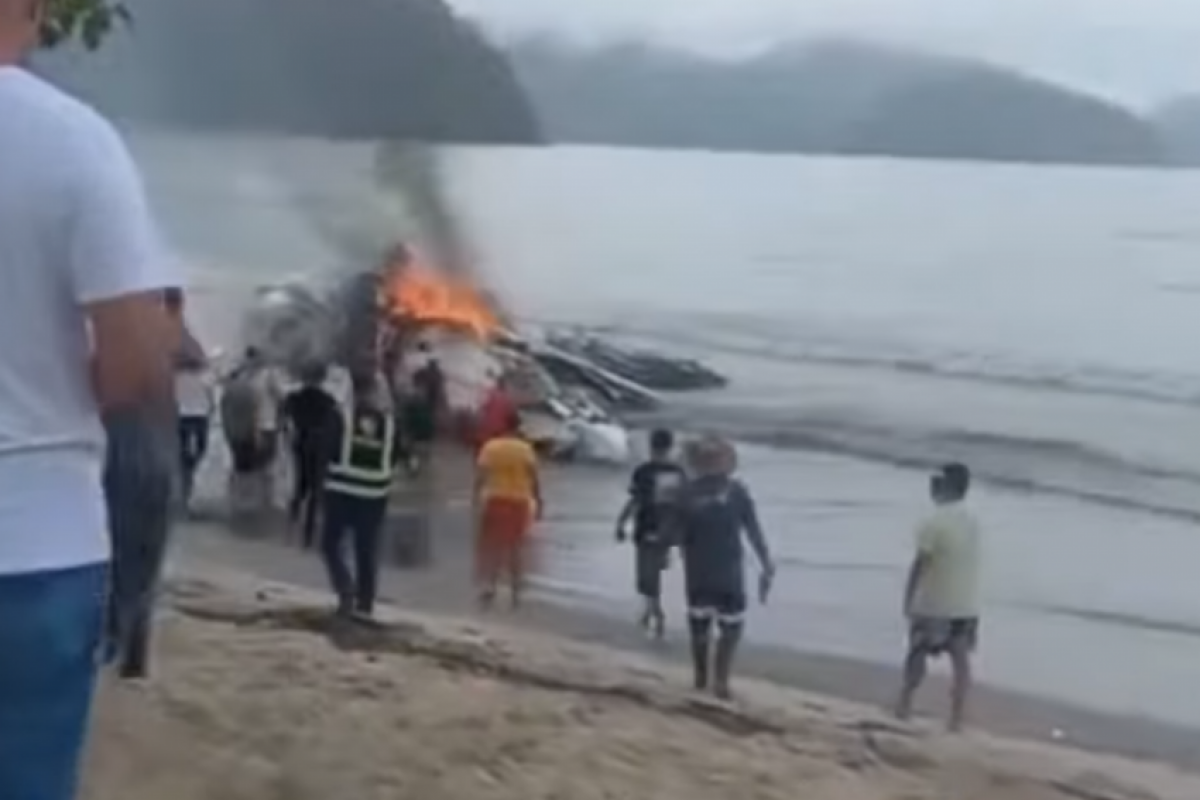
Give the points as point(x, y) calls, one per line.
point(503, 536)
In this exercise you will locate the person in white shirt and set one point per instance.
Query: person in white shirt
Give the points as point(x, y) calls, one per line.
point(941, 598)
point(250, 405)
point(85, 330)
point(269, 387)
point(195, 399)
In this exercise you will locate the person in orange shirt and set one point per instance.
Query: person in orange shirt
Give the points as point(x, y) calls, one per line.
point(508, 497)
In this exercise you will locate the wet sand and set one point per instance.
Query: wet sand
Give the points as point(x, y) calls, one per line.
point(578, 554)
point(443, 588)
point(259, 696)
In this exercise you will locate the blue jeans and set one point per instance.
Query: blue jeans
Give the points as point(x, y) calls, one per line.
point(361, 518)
point(50, 634)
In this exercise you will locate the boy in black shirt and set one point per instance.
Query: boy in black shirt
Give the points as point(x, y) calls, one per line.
point(309, 414)
point(654, 490)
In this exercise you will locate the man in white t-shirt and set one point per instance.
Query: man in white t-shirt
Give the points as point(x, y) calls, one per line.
point(271, 394)
point(84, 329)
point(252, 428)
point(941, 599)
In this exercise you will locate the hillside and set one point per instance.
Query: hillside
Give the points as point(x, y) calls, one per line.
point(988, 115)
point(828, 97)
point(1178, 123)
point(407, 69)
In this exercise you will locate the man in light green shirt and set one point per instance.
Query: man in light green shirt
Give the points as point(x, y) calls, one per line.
point(941, 599)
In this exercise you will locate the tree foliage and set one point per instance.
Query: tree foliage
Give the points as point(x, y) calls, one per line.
point(88, 21)
point(353, 69)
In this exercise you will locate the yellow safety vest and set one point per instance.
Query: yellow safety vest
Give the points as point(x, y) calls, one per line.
point(365, 464)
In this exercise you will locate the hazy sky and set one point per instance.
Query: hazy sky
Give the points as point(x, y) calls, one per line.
point(1138, 50)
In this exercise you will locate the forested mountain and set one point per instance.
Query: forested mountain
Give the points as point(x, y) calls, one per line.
point(407, 69)
point(825, 97)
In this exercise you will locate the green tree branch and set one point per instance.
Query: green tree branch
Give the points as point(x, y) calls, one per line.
point(88, 21)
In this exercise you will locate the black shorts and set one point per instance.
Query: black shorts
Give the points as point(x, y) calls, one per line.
point(420, 423)
point(933, 636)
point(650, 560)
point(726, 606)
point(252, 455)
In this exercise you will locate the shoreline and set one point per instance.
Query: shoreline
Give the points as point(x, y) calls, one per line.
point(444, 589)
point(262, 694)
point(1117, 637)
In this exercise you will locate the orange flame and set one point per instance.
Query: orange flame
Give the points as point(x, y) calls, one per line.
point(423, 295)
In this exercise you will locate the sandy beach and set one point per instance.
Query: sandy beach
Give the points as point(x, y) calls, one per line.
point(783, 643)
point(259, 696)
point(858, 355)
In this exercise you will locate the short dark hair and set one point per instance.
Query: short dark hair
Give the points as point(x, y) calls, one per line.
point(661, 440)
point(173, 298)
point(362, 383)
point(956, 480)
point(314, 373)
point(512, 422)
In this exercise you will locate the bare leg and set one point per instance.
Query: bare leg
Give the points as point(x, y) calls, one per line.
point(727, 644)
point(232, 485)
point(914, 675)
point(647, 612)
point(267, 486)
point(187, 483)
point(487, 580)
point(658, 618)
point(301, 485)
point(516, 572)
point(487, 571)
point(960, 664)
point(653, 619)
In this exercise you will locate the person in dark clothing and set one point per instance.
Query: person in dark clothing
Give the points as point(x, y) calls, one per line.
point(422, 408)
point(429, 380)
point(365, 449)
point(654, 491)
point(716, 511)
point(309, 414)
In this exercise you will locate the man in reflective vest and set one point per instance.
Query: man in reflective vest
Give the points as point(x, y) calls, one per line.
point(364, 452)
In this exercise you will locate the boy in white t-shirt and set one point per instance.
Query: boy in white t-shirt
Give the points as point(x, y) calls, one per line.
point(195, 399)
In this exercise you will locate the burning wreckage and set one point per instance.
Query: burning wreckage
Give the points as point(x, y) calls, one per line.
point(572, 386)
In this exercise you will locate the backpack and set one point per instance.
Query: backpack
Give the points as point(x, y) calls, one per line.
point(239, 407)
